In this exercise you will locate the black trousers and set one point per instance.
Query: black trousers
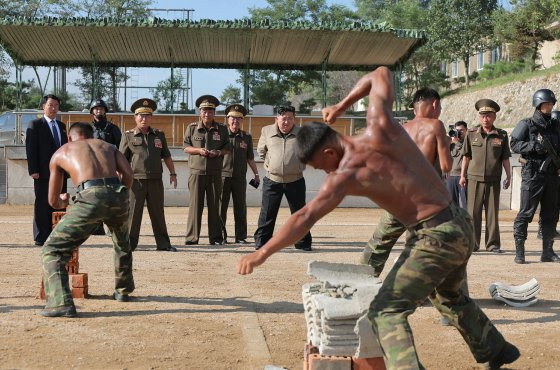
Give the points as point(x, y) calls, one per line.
point(235, 188)
point(537, 188)
point(272, 193)
point(42, 211)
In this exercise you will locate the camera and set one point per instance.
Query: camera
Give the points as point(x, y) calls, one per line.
point(453, 132)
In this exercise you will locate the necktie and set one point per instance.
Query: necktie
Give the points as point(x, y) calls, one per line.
point(55, 134)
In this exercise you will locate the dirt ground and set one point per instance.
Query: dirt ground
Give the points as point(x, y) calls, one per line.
point(191, 311)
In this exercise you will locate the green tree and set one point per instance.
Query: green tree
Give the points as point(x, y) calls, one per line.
point(275, 87)
point(166, 92)
point(461, 28)
point(107, 78)
point(231, 95)
point(525, 27)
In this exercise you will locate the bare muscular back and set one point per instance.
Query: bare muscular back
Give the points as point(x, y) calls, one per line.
point(421, 131)
point(385, 164)
point(87, 159)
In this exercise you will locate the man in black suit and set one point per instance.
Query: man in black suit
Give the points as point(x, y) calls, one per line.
point(43, 137)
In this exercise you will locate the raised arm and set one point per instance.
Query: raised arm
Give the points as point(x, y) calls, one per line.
point(378, 85)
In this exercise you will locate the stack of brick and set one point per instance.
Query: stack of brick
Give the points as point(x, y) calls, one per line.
point(336, 312)
point(516, 295)
point(78, 281)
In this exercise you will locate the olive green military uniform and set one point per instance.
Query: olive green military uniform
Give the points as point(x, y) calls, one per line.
point(235, 183)
point(487, 152)
point(205, 179)
point(145, 152)
point(100, 203)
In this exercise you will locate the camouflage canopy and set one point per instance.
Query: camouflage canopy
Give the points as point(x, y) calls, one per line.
point(155, 42)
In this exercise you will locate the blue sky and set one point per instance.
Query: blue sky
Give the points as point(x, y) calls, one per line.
point(204, 81)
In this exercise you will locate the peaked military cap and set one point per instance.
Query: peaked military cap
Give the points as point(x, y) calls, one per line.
point(486, 106)
point(207, 101)
point(236, 110)
point(143, 106)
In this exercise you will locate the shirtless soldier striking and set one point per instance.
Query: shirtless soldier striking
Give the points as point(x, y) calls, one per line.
point(428, 132)
point(385, 165)
point(103, 176)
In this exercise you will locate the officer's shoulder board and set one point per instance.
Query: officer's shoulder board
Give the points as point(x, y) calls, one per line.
point(129, 131)
point(472, 129)
point(193, 124)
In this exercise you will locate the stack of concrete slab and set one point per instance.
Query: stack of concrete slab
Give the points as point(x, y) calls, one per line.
point(336, 309)
point(516, 295)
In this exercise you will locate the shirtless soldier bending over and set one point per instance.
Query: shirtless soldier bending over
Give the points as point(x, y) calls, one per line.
point(385, 165)
point(102, 175)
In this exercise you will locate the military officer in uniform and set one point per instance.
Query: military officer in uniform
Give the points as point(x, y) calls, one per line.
point(103, 130)
point(234, 182)
point(485, 151)
point(145, 147)
point(539, 175)
point(206, 142)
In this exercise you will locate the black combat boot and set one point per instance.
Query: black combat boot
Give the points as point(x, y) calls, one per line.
point(519, 251)
point(548, 254)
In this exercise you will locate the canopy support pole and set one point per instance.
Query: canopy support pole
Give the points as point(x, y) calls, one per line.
point(246, 79)
point(172, 82)
point(324, 80)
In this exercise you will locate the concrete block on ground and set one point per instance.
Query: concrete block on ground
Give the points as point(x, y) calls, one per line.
point(522, 295)
point(333, 308)
point(368, 346)
point(318, 362)
point(342, 273)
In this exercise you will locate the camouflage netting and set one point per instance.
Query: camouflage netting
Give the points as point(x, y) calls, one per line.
point(156, 42)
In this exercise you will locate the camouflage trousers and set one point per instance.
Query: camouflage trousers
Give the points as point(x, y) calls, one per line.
point(108, 204)
point(378, 248)
point(432, 265)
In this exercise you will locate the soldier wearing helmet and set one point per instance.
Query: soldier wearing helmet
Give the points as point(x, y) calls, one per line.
point(535, 138)
point(102, 129)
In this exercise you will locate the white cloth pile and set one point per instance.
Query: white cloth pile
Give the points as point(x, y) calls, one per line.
point(516, 295)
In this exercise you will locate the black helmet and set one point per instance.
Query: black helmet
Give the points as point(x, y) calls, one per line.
point(555, 115)
point(543, 96)
point(98, 103)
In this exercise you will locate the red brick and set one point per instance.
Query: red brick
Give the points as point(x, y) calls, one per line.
point(79, 280)
point(42, 291)
point(79, 292)
point(374, 363)
point(56, 216)
point(318, 362)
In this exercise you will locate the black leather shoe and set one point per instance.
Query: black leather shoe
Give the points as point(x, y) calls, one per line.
point(507, 355)
point(60, 311)
point(168, 249)
point(121, 297)
point(305, 249)
point(241, 241)
point(39, 244)
point(191, 243)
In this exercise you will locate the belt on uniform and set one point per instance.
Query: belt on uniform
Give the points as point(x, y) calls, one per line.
point(98, 182)
point(442, 216)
